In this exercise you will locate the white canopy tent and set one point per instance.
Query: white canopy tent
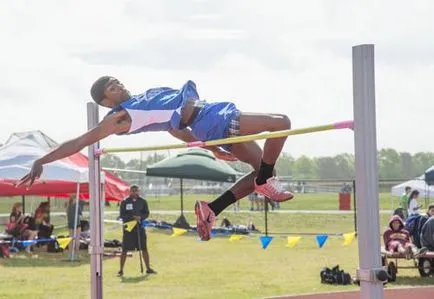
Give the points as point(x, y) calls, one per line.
point(416, 184)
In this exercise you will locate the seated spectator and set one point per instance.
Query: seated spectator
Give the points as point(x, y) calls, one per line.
point(397, 239)
point(401, 213)
point(226, 222)
point(17, 225)
point(423, 219)
point(427, 234)
point(251, 226)
point(41, 221)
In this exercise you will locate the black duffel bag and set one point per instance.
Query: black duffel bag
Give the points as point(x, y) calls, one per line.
point(335, 276)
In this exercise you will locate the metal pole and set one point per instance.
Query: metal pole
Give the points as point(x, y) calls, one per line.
point(266, 214)
point(96, 246)
point(141, 176)
point(77, 203)
point(23, 200)
point(102, 207)
point(49, 209)
point(182, 196)
point(365, 141)
point(355, 206)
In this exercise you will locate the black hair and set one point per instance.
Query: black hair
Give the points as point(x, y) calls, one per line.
point(98, 88)
point(413, 194)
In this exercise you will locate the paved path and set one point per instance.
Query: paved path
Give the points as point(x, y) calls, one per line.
point(389, 293)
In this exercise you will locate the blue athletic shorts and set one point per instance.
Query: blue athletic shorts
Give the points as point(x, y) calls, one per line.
point(217, 121)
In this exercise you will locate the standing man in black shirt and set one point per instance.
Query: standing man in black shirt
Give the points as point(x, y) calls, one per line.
point(134, 208)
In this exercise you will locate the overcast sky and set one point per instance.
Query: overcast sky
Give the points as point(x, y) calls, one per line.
point(291, 57)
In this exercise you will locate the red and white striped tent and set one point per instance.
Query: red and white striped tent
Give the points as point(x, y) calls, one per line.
point(59, 179)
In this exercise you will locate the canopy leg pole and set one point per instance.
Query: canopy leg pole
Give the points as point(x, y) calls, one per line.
point(74, 240)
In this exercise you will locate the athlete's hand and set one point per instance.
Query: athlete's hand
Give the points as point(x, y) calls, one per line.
point(34, 174)
point(224, 155)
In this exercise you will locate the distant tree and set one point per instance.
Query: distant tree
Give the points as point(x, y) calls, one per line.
point(422, 161)
point(304, 168)
point(326, 168)
point(285, 165)
point(390, 164)
point(345, 164)
point(112, 161)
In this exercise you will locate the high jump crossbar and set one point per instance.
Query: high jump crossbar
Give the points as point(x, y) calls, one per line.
point(238, 139)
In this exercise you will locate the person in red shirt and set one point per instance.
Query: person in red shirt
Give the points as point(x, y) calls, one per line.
point(397, 239)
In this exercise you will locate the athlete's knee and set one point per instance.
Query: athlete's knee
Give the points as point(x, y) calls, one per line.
point(279, 122)
point(284, 122)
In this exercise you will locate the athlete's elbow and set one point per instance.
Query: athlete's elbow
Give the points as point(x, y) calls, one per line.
point(176, 133)
point(172, 132)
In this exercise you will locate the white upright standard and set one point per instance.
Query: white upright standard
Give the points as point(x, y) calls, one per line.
point(365, 149)
point(96, 247)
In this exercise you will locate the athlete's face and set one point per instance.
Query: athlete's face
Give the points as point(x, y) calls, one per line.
point(134, 192)
point(396, 225)
point(114, 94)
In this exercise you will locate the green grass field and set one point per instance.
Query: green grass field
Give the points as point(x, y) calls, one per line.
point(188, 268)
point(302, 201)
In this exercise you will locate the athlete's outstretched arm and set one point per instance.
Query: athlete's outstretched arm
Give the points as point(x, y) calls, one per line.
point(186, 136)
point(113, 124)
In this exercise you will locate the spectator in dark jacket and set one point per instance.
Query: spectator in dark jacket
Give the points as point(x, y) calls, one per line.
point(420, 223)
point(74, 225)
point(427, 234)
point(134, 208)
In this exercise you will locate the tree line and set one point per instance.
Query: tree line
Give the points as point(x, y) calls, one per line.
point(392, 165)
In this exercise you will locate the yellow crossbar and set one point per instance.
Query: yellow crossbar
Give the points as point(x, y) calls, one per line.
point(237, 139)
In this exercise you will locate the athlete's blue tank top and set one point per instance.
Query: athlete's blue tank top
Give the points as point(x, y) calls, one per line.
point(157, 109)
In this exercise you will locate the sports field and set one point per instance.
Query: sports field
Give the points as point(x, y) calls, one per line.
point(188, 268)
